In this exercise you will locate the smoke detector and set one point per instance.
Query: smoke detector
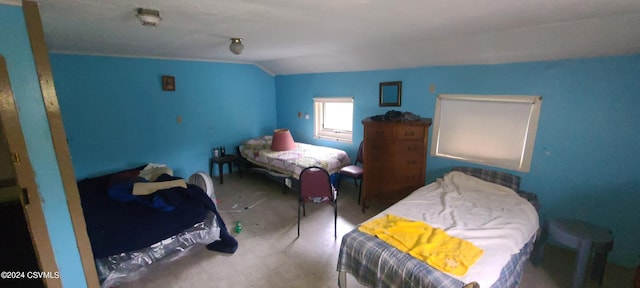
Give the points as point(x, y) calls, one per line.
point(148, 17)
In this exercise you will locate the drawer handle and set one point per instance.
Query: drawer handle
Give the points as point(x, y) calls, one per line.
point(408, 133)
point(411, 162)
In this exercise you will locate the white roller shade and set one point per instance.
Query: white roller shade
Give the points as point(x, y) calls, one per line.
point(494, 130)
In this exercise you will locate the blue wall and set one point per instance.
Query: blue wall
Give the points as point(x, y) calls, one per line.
point(15, 47)
point(117, 116)
point(585, 158)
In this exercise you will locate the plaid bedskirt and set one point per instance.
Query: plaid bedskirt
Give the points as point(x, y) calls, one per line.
point(375, 263)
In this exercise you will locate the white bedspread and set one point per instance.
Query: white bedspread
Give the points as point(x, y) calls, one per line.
point(490, 216)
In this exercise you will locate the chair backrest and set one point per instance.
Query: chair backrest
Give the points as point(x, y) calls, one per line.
point(359, 157)
point(315, 185)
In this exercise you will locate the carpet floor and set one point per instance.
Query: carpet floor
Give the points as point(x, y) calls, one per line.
point(270, 254)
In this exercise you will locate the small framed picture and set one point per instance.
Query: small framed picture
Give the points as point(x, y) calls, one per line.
point(168, 83)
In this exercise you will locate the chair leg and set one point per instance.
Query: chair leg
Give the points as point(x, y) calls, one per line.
point(355, 182)
point(298, 219)
point(304, 210)
point(335, 220)
point(360, 192)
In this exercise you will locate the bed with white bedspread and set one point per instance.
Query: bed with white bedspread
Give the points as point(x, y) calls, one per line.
point(493, 217)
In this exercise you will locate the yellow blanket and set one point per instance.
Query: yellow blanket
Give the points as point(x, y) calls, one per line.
point(431, 245)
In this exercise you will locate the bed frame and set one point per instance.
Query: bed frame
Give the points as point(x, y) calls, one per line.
point(416, 273)
point(288, 182)
point(127, 266)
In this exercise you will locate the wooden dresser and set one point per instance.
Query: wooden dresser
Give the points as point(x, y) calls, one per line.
point(394, 159)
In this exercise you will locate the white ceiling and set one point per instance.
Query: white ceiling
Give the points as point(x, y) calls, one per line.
point(309, 36)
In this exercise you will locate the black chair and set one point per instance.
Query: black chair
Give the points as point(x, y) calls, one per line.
point(354, 171)
point(315, 187)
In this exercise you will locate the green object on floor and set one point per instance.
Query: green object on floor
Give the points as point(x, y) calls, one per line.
point(238, 227)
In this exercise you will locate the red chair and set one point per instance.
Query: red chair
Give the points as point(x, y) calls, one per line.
point(315, 187)
point(354, 171)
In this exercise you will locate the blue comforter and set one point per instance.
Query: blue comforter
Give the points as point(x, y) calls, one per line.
point(116, 227)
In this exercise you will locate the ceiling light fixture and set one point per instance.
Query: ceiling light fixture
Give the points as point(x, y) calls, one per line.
point(236, 46)
point(148, 17)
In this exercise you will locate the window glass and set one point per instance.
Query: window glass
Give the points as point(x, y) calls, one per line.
point(338, 116)
point(334, 118)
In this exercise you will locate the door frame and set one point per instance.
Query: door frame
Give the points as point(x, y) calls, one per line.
point(59, 139)
point(25, 178)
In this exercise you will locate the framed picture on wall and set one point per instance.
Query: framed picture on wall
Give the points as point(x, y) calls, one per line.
point(168, 83)
point(391, 93)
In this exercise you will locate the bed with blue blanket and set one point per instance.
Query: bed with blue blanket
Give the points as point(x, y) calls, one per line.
point(481, 206)
point(138, 216)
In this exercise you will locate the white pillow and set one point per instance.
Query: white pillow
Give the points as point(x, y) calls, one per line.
point(152, 171)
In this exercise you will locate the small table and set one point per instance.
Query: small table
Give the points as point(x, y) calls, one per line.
point(585, 238)
point(227, 159)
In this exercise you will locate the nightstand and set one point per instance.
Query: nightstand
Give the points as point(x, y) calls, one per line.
point(221, 160)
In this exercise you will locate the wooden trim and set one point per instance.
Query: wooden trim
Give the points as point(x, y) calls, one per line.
point(25, 178)
point(59, 138)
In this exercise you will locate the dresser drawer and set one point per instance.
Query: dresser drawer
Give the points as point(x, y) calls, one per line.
point(406, 161)
point(414, 148)
point(409, 132)
point(389, 161)
point(391, 187)
point(409, 154)
point(401, 148)
point(378, 147)
point(377, 153)
point(379, 161)
point(412, 177)
point(381, 133)
point(395, 177)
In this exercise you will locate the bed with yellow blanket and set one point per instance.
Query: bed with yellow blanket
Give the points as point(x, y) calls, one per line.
point(457, 230)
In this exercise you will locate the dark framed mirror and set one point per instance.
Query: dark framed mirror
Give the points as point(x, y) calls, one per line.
point(390, 93)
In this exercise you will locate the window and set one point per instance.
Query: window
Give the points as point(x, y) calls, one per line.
point(334, 118)
point(494, 130)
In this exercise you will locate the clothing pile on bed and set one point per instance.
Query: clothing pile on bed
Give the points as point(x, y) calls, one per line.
point(136, 208)
point(431, 245)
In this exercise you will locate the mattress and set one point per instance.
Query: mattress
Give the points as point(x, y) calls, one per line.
point(115, 226)
point(492, 217)
point(290, 163)
point(129, 266)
